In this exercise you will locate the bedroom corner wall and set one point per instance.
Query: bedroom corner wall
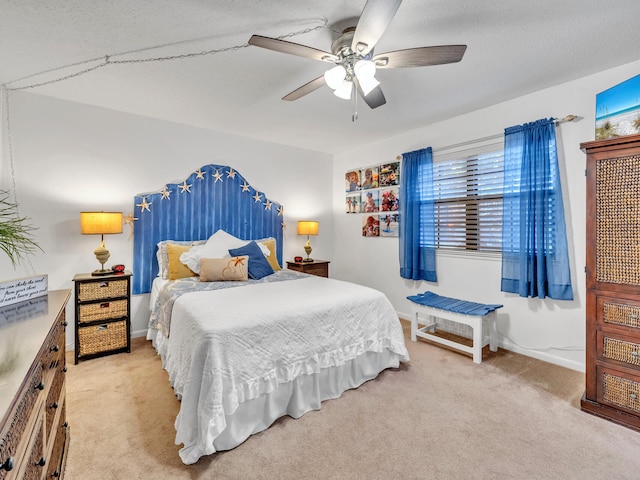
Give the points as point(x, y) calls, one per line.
point(70, 157)
point(546, 329)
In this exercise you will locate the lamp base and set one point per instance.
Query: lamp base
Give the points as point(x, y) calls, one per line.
point(307, 259)
point(98, 273)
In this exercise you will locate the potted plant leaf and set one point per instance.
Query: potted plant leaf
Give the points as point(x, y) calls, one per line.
point(16, 238)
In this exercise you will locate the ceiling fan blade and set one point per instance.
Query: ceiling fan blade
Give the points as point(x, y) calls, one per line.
point(375, 18)
point(292, 48)
point(375, 98)
point(420, 57)
point(312, 86)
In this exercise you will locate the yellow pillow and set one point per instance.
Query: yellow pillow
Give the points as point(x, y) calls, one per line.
point(177, 269)
point(224, 269)
point(270, 243)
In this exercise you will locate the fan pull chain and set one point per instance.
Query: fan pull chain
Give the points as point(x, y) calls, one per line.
point(354, 102)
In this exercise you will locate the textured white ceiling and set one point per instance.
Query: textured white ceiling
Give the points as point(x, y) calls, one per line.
point(514, 48)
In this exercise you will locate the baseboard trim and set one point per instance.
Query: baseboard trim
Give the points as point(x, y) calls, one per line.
point(537, 354)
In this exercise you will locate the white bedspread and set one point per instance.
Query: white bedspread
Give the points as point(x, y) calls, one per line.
point(230, 346)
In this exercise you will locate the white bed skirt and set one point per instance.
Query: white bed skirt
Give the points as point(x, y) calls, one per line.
point(295, 398)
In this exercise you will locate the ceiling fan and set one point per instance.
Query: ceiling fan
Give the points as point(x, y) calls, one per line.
point(353, 55)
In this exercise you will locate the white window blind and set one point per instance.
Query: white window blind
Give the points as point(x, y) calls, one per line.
point(468, 200)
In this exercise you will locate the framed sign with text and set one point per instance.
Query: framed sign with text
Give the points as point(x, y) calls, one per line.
point(22, 289)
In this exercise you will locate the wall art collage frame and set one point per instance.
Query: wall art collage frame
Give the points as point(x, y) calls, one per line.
point(373, 192)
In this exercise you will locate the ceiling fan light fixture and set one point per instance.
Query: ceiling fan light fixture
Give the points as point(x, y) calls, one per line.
point(344, 90)
point(364, 69)
point(335, 76)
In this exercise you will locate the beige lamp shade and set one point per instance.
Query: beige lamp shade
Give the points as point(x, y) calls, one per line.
point(307, 227)
point(100, 223)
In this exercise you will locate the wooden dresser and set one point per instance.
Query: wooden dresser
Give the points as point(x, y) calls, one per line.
point(34, 435)
point(613, 280)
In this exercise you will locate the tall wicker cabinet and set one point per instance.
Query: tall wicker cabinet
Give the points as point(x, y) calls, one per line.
point(613, 280)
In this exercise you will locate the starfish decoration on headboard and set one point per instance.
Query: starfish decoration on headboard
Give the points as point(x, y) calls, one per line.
point(217, 176)
point(231, 173)
point(245, 186)
point(200, 174)
point(267, 205)
point(257, 197)
point(128, 220)
point(185, 187)
point(280, 211)
point(165, 192)
point(144, 205)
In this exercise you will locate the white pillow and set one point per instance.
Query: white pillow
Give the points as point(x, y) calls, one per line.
point(263, 248)
point(217, 246)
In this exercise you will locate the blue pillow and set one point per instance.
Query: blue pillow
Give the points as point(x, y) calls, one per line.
point(258, 264)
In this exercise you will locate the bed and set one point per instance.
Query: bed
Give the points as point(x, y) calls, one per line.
point(243, 352)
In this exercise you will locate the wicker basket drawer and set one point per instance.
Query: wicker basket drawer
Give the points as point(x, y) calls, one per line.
point(625, 350)
point(102, 338)
point(618, 390)
point(105, 289)
point(625, 313)
point(92, 312)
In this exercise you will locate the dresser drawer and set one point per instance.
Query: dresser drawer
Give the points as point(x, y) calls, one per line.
point(19, 417)
point(102, 338)
point(35, 459)
point(619, 390)
point(618, 312)
point(94, 312)
point(619, 349)
point(55, 463)
point(54, 397)
point(88, 291)
point(53, 347)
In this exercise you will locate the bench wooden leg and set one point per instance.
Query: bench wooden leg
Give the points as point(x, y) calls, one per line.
point(414, 327)
point(493, 331)
point(477, 339)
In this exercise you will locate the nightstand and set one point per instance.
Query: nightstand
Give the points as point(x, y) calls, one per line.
point(103, 318)
point(319, 268)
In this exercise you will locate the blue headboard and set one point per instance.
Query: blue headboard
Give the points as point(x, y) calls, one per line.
point(213, 197)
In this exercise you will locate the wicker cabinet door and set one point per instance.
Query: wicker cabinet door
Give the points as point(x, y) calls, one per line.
point(617, 219)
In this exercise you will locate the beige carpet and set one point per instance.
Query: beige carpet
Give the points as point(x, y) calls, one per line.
point(438, 417)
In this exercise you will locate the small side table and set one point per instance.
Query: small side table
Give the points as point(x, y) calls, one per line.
point(103, 315)
point(319, 268)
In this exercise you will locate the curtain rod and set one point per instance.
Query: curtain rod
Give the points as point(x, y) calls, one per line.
point(567, 118)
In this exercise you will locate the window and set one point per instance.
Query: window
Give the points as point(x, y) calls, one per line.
point(468, 201)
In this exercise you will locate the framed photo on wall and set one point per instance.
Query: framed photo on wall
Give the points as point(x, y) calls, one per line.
point(370, 226)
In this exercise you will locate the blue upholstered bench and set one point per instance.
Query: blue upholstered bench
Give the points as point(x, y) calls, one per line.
point(480, 317)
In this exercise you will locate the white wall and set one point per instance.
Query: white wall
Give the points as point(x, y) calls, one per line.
point(70, 157)
point(540, 328)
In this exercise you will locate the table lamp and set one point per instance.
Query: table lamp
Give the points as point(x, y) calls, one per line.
point(307, 227)
point(101, 223)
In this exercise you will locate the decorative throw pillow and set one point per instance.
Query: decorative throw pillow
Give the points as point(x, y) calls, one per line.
point(163, 258)
point(272, 256)
point(258, 265)
point(176, 268)
point(224, 269)
point(217, 246)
